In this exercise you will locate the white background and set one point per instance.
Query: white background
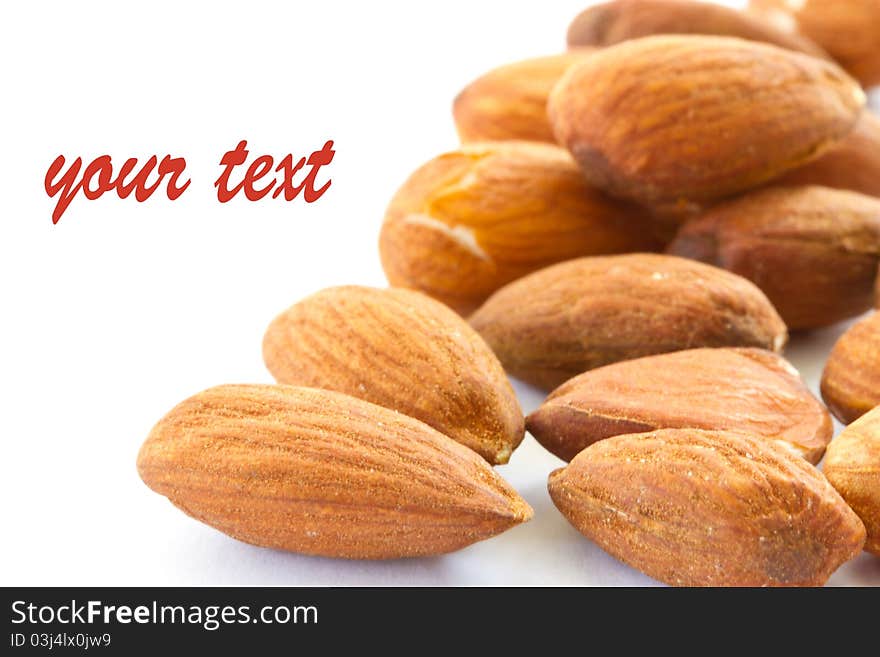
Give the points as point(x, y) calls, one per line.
point(123, 309)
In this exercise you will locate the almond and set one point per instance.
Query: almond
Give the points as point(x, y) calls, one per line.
point(585, 313)
point(746, 390)
point(853, 468)
point(472, 220)
point(612, 22)
point(852, 164)
point(708, 508)
point(679, 119)
point(510, 102)
point(814, 251)
point(851, 380)
point(322, 473)
point(402, 350)
point(848, 29)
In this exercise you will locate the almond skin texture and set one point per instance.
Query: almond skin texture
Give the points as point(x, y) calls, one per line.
point(612, 22)
point(402, 350)
point(680, 119)
point(853, 468)
point(877, 289)
point(812, 250)
point(851, 380)
point(322, 473)
point(705, 508)
point(586, 313)
point(472, 220)
point(853, 164)
point(848, 29)
point(746, 390)
point(510, 102)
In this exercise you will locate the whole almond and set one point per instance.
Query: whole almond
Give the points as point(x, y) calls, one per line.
point(586, 313)
point(472, 220)
point(510, 102)
point(678, 119)
point(746, 390)
point(322, 473)
point(851, 380)
point(853, 164)
point(812, 250)
point(402, 350)
point(708, 508)
point(848, 29)
point(852, 465)
point(612, 22)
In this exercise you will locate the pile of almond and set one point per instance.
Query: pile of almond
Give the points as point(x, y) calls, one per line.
point(636, 226)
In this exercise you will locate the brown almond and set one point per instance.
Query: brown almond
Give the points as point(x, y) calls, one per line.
point(812, 250)
point(746, 390)
point(679, 119)
point(402, 350)
point(852, 465)
point(853, 164)
point(510, 102)
point(612, 22)
point(708, 508)
point(474, 219)
point(319, 472)
point(586, 313)
point(851, 380)
point(848, 29)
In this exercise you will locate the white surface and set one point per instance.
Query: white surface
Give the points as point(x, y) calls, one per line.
point(123, 309)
